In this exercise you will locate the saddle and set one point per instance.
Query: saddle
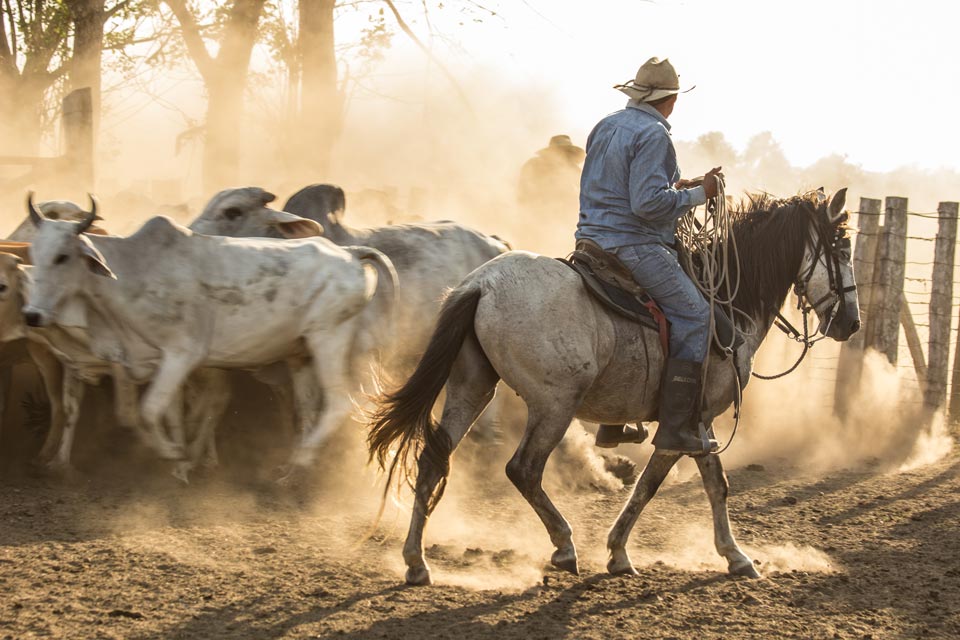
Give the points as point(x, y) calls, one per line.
point(610, 282)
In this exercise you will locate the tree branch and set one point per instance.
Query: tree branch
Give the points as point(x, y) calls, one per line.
point(193, 39)
point(13, 34)
point(115, 9)
point(446, 72)
point(6, 51)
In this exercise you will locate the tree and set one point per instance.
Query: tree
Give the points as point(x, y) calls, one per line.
point(47, 47)
point(321, 103)
point(225, 79)
point(33, 57)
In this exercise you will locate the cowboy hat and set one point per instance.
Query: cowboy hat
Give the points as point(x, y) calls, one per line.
point(655, 79)
point(565, 144)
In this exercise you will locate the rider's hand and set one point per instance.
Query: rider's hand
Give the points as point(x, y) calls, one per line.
point(685, 184)
point(710, 181)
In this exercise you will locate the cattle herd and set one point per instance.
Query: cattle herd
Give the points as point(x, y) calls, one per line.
point(308, 305)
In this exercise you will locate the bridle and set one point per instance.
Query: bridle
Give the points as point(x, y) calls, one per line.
point(830, 251)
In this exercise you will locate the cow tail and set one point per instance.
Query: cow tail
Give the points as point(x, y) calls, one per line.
point(403, 427)
point(387, 281)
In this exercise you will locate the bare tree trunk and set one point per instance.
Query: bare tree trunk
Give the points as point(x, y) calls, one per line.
point(225, 96)
point(321, 104)
point(88, 20)
point(221, 150)
point(25, 117)
point(225, 78)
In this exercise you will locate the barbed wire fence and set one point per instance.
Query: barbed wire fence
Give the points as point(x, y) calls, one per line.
point(906, 306)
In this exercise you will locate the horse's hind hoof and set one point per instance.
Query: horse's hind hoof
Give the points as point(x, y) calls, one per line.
point(745, 570)
point(620, 565)
point(418, 576)
point(565, 561)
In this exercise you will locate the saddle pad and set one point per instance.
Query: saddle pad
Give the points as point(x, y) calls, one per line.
point(646, 312)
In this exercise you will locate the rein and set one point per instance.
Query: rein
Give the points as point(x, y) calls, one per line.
point(830, 252)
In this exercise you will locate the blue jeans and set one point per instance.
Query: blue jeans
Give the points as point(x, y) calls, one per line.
point(657, 269)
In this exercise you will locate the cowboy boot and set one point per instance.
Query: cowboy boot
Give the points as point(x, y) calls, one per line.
point(681, 429)
point(610, 436)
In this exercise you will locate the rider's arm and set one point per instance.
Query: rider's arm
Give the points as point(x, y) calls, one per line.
point(652, 194)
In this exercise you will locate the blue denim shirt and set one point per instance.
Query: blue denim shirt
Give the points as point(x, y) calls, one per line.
point(626, 188)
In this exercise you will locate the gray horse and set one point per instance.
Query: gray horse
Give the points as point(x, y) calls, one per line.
point(528, 320)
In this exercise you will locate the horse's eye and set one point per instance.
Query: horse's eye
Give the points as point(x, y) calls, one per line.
point(232, 213)
point(60, 259)
point(3, 287)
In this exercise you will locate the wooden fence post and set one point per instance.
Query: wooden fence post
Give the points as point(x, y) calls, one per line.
point(850, 364)
point(913, 343)
point(78, 138)
point(941, 306)
point(891, 258)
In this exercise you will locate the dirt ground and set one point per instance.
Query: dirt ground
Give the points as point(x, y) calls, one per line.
point(129, 553)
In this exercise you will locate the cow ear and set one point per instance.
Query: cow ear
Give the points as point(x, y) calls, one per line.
point(293, 226)
point(94, 260)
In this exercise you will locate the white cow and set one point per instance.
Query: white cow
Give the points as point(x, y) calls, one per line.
point(66, 365)
point(12, 350)
point(52, 210)
point(166, 301)
point(430, 258)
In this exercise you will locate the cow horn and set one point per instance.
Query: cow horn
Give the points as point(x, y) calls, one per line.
point(35, 216)
point(91, 216)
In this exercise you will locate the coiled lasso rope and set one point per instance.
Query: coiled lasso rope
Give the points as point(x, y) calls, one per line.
point(713, 242)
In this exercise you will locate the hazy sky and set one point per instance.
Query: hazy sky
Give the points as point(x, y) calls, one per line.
point(877, 81)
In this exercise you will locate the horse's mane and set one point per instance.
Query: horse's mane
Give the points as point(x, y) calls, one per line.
point(771, 235)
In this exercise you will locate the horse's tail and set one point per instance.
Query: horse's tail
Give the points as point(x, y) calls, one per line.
point(403, 423)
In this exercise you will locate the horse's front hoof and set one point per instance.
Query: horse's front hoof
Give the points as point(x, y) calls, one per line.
point(566, 561)
point(620, 565)
point(418, 576)
point(745, 570)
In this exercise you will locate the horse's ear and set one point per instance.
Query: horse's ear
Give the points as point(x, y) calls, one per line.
point(836, 204)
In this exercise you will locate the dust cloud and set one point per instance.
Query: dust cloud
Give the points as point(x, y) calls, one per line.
point(425, 155)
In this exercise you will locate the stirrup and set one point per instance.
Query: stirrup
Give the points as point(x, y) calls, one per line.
point(707, 441)
point(627, 435)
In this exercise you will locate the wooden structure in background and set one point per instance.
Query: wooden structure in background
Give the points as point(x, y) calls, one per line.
point(889, 273)
point(941, 307)
point(850, 365)
point(74, 170)
point(880, 265)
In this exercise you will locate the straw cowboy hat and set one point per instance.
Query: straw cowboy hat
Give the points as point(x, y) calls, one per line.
point(655, 79)
point(564, 144)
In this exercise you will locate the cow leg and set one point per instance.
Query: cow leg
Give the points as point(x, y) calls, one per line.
point(305, 396)
point(73, 391)
point(125, 397)
point(330, 350)
point(207, 396)
point(285, 401)
point(51, 372)
point(160, 395)
point(174, 421)
point(716, 485)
